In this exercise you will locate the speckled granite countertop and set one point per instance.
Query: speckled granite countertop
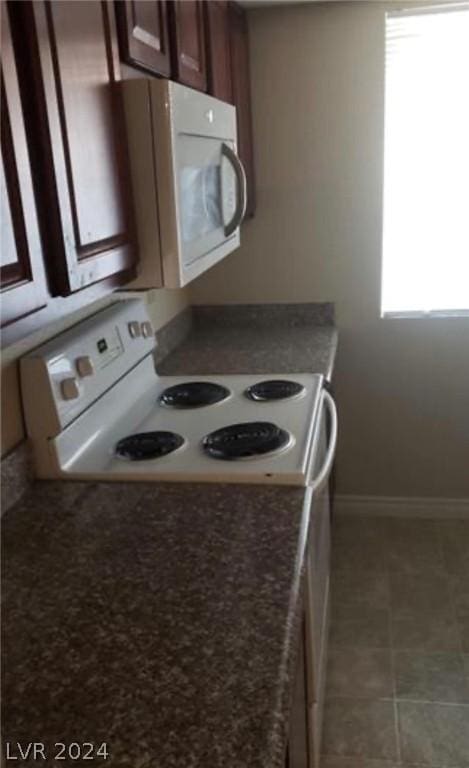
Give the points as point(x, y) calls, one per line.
point(163, 619)
point(268, 338)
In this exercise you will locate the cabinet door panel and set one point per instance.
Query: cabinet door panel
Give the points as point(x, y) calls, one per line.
point(144, 35)
point(240, 75)
point(88, 177)
point(86, 112)
point(188, 43)
point(298, 755)
point(22, 278)
point(218, 49)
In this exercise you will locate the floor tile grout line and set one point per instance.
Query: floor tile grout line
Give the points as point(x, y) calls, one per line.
point(433, 702)
point(450, 583)
point(451, 592)
point(388, 699)
point(400, 700)
point(383, 763)
point(355, 647)
point(397, 728)
point(390, 763)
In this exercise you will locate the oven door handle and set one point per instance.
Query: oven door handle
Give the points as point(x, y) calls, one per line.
point(241, 193)
point(317, 483)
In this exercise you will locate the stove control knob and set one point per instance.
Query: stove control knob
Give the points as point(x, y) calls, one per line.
point(134, 329)
point(147, 329)
point(69, 388)
point(84, 366)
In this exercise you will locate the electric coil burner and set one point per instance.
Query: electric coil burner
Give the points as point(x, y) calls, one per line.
point(246, 440)
point(148, 445)
point(274, 389)
point(193, 394)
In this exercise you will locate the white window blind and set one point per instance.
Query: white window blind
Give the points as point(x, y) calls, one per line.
point(426, 162)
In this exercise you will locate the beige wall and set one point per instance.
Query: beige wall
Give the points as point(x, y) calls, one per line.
point(162, 306)
point(402, 385)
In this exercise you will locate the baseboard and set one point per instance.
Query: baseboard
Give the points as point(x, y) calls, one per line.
point(400, 506)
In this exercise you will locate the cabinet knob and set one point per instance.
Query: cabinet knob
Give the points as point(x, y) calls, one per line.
point(84, 366)
point(69, 388)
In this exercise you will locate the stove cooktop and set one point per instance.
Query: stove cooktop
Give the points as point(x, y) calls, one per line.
point(105, 414)
point(232, 439)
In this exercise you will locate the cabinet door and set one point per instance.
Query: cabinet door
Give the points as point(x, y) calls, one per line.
point(240, 75)
point(142, 26)
point(22, 278)
point(218, 49)
point(298, 751)
point(188, 43)
point(81, 155)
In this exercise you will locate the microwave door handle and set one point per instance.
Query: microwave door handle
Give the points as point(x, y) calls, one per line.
point(317, 483)
point(241, 199)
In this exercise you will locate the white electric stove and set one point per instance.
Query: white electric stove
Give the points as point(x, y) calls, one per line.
point(96, 409)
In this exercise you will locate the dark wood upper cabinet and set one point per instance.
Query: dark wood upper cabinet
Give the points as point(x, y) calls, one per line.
point(22, 276)
point(187, 30)
point(240, 77)
point(79, 148)
point(142, 27)
point(217, 25)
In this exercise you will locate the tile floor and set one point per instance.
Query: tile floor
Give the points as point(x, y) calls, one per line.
point(398, 675)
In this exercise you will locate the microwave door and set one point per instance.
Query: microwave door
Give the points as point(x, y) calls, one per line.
point(208, 195)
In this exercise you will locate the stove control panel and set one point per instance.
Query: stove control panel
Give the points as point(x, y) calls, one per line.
point(63, 377)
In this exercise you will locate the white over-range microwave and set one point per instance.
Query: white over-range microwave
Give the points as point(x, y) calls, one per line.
point(189, 184)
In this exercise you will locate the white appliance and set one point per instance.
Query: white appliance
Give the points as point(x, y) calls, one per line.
point(188, 182)
point(96, 409)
